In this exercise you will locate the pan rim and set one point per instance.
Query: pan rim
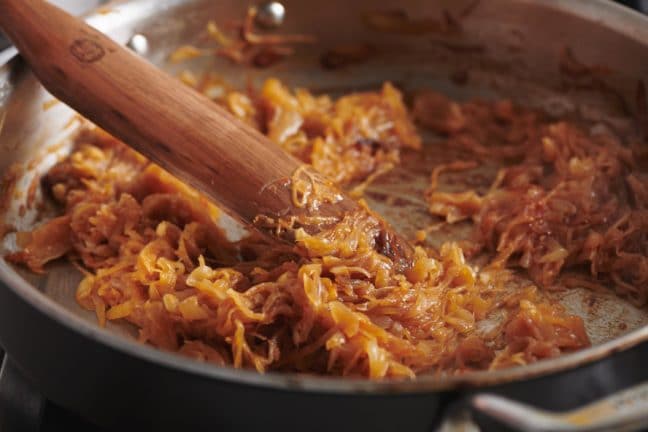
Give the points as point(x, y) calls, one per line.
point(616, 18)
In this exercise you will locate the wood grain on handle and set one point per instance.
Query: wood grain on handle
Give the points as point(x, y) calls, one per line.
point(171, 124)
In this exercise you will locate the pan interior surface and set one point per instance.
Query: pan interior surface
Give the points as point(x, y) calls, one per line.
point(497, 53)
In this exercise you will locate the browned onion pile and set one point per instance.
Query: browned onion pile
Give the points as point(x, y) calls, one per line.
point(567, 198)
point(153, 255)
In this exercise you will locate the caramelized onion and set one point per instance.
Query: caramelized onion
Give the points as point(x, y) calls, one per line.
point(153, 254)
point(567, 198)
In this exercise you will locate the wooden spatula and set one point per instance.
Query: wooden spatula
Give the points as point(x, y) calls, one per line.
point(171, 124)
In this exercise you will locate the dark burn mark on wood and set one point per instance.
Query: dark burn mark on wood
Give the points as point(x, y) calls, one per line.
point(165, 148)
point(212, 169)
point(184, 157)
point(56, 70)
point(121, 117)
point(87, 51)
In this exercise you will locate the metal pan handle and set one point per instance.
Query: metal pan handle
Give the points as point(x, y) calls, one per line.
point(626, 410)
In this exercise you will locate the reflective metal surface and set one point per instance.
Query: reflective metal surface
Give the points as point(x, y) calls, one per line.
point(270, 15)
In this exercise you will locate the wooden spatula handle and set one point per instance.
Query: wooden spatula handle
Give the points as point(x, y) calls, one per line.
point(171, 124)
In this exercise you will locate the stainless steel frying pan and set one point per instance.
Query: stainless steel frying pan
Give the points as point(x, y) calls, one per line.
point(505, 48)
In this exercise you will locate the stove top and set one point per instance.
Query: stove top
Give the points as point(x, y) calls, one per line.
point(23, 408)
